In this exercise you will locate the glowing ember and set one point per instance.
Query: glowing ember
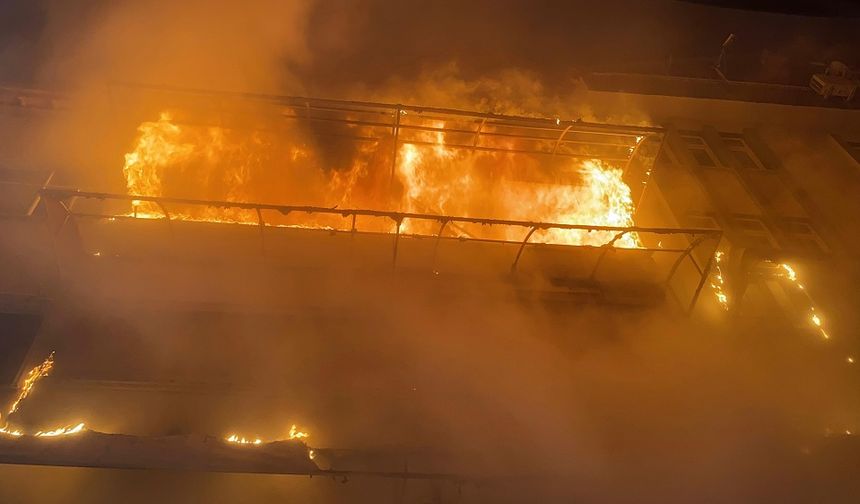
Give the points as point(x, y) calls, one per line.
point(241, 440)
point(816, 320)
point(293, 434)
point(8, 431)
point(789, 272)
point(718, 283)
point(33, 376)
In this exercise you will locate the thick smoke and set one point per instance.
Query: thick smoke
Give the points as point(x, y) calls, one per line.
point(558, 402)
point(196, 44)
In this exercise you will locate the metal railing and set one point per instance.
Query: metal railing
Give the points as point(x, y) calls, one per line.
point(65, 198)
point(365, 121)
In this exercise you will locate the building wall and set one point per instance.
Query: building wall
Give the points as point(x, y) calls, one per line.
point(780, 181)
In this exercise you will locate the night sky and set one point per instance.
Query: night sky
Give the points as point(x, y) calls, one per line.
point(369, 41)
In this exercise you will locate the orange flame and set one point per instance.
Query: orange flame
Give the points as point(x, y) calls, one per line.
point(9, 431)
point(234, 438)
point(442, 180)
point(62, 431)
point(297, 434)
point(293, 434)
point(433, 178)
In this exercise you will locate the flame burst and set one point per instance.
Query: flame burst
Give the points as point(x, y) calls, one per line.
point(213, 163)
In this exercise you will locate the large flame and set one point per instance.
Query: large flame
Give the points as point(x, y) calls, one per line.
point(443, 180)
point(169, 159)
point(159, 146)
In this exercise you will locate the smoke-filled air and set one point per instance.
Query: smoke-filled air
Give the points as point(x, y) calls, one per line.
point(428, 251)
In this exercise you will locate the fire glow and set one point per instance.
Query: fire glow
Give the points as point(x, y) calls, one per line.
point(427, 177)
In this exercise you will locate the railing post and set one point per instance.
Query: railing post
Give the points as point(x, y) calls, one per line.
point(262, 231)
point(436, 245)
point(680, 258)
point(702, 281)
point(395, 134)
point(398, 220)
point(522, 246)
point(167, 218)
point(560, 137)
point(478, 134)
point(606, 247)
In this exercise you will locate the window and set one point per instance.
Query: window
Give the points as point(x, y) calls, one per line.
point(755, 233)
point(743, 155)
point(700, 151)
point(802, 237)
point(703, 158)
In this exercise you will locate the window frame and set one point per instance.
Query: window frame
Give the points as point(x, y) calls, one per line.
point(793, 238)
point(731, 141)
point(763, 230)
point(701, 145)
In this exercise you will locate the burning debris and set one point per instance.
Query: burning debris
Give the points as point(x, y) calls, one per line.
point(785, 272)
point(34, 376)
point(97, 449)
point(45, 368)
point(788, 273)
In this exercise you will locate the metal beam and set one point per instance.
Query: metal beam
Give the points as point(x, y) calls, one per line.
point(62, 194)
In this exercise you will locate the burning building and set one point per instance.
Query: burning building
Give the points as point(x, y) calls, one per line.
point(429, 302)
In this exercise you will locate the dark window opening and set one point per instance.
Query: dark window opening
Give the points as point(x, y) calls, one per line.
point(703, 158)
